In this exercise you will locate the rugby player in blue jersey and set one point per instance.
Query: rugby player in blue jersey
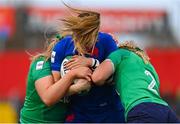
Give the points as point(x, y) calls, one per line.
point(82, 37)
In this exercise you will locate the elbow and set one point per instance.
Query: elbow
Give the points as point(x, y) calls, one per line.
point(48, 102)
point(51, 101)
point(97, 80)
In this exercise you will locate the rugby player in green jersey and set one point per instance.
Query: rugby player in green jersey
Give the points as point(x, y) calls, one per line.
point(137, 84)
point(44, 97)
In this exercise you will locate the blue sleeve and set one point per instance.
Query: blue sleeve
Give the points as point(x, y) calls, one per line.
point(58, 55)
point(109, 44)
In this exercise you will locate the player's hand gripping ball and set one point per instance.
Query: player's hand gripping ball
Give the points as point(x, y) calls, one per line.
point(64, 71)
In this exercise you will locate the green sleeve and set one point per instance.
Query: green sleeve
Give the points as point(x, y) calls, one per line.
point(115, 59)
point(41, 68)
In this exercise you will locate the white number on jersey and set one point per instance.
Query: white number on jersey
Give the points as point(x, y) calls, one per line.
point(153, 82)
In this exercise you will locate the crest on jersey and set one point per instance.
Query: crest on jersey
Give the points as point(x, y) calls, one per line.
point(39, 65)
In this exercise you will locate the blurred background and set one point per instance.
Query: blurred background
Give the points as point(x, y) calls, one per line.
point(152, 24)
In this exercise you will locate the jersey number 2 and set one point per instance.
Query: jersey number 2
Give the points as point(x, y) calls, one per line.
point(153, 82)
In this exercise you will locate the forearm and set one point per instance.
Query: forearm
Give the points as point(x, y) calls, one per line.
point(102, 73)
point(79, 86)
point(56, 75)
point(98, 78)
point(73, 89)
point(51, 92)
point(58, 90)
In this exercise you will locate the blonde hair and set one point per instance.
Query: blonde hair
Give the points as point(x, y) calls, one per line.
point(50, 43)
point(130, 45)
point(83, 28)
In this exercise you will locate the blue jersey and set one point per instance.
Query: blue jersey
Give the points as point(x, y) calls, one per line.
point(99, 97)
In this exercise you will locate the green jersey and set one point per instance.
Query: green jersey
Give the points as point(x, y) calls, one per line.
point(34, 110)
point(136, 82)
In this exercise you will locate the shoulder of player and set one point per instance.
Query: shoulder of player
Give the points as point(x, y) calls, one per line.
point(64, 40)
point(123, 53)
point(102, 36)
point(40, 63)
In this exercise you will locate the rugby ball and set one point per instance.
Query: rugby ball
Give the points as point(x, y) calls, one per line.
point(64, 71)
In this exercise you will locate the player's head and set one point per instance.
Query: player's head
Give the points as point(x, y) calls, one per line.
point(83, 27)
point(50, 45)
point(130, 45)
point(51, 40)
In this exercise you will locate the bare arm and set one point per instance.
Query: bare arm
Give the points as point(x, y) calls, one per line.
point(80, 85)
point(79, 61)
point(56, 75)
point(102, 72)
point(51, 92)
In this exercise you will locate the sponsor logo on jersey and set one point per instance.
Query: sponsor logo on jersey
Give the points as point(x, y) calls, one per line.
point(39, 65)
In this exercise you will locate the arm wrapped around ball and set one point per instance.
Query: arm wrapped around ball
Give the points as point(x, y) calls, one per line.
point(79, 85)
point(110, 81)
point(80, 61)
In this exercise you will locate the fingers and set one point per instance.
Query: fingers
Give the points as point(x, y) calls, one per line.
point(75, 62)
point(75, 56)
point(72, 60)
point(88, 78)
point(71, 65)
point(84, 72)
point(78, 58)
